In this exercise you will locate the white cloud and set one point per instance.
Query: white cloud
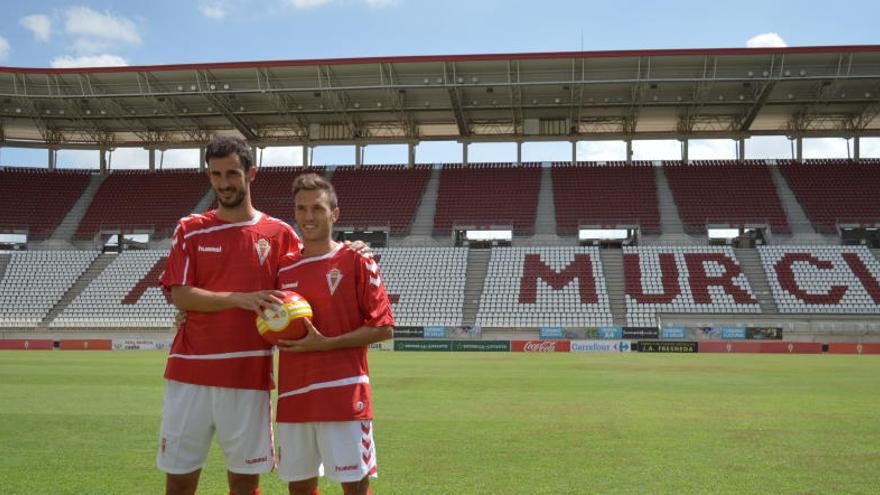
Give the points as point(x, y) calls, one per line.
point(768, 147)
point(39, 24)
point(825, 148)
point(869, 147)
point(85, 22)
point(88, 46)
point(178, 158)
point(308, 4)
point(105, 60)
point(766, 40)
point(667, 149)
point(381, 3)
point(213, 10)
point(601, 151)
point(712, 149)
point(4, 48)
point(78, 159)
point(281, 155)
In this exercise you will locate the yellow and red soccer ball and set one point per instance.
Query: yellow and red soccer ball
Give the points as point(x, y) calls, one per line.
point(287, 322)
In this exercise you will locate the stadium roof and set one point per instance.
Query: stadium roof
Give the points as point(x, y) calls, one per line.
point(829, 91)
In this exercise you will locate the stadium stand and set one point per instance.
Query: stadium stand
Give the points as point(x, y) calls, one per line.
point(272, 191)
point(832, 191)
point(126, 294)
point(37, 200)
point(544, 286)
point(380, 194)
point(675, 279)
point(136, 199)
point(822, 279)
point(35, 281)
point(488, 194)
point(605, 195)
point(425, 285)
point(726, 193)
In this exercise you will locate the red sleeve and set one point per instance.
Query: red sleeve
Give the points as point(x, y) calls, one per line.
point(284, 264)
point(288, 243)
point(372, 297)
point(181, 268)
point(289, 252)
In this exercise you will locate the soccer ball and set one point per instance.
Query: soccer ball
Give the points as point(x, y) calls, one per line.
point(287, 322)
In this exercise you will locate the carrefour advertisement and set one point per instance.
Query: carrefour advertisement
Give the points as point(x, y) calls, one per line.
point(600, 346)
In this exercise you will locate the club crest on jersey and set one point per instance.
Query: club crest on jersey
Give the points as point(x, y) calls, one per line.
point(262, 250)
point(334, 276)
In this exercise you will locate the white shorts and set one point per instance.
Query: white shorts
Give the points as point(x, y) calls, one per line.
point(343, 451)
point(241, 418)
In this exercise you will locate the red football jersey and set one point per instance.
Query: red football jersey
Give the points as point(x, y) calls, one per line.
point(346, 292)
point(224, 349)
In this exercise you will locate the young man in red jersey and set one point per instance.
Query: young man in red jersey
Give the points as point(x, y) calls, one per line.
point(221, 269)
point(324, 408)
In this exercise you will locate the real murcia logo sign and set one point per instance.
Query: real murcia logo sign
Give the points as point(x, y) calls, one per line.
point(334, 276)
point(263, 249)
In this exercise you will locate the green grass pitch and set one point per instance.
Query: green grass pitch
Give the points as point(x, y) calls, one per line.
point(470, 423)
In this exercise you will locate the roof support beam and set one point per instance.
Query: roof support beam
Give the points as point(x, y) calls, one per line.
point(338, 99)
point(284, 102)
point(388, 76)
point(455, 99)
point(749, 118)
point(194, 129)
point(225, 107)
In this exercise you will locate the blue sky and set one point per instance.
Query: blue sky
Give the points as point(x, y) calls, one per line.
point(56, 33)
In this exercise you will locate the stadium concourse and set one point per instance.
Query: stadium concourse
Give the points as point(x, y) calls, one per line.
point(499, 252)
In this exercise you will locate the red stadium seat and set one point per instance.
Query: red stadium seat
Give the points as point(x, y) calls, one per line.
point(37, 200)
point(486, 194)
point(725, 192)
point(835, 191)
point(605, 195)
point(380, 194)
point(130, 199)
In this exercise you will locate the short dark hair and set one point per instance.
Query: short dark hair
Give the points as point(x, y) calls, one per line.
point(314, 182)
point(228, 145)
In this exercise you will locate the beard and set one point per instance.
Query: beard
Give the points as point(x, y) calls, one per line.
point(234, 202)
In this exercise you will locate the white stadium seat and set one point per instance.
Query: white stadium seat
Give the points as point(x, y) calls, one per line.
point(822, 279)
point(427, 283)
point(35, 281)
point(709, 280)
point(517, 292)
point(109, 301)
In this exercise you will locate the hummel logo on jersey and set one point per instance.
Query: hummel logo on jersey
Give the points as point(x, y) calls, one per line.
point(210, 249)
point(334, 276)
point(263, 249)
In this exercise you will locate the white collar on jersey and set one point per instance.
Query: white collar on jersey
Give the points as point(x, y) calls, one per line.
point(314, 258)
point(246, 223)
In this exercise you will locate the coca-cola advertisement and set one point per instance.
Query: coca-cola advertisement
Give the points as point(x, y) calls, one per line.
point(540, 346)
